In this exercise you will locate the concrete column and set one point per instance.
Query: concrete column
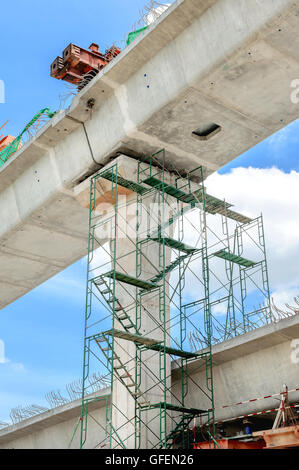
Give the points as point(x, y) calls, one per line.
point(152, 308)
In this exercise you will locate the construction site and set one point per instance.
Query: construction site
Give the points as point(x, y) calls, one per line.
point(184, 347)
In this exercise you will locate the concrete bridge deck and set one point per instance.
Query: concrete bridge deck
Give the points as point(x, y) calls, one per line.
point(226, 62)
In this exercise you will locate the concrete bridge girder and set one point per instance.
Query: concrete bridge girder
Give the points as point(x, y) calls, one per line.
point(221, 61)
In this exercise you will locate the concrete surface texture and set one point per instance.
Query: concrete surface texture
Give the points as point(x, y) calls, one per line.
point(249, 366)
point(58, 428)
point(225, 62)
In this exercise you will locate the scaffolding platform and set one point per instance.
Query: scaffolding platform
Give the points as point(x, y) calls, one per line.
point(181, 409)
point(133, 281)
point(175, 244)
point(235, 258)
point(242, 219)
point(177, 193)
point(213, 205)
point(150, 343)
point(137, 188)
point(131, 337)
point(174, 351)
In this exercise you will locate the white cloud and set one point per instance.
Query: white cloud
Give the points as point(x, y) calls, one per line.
point(276, 195)
point(101, 260)
point(14, 366)
point(281, 297)
point(154, 13)
point(3, 359)
point(18, 367)
point(62, 285)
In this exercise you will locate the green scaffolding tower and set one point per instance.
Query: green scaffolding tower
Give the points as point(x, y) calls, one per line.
point(152, 298)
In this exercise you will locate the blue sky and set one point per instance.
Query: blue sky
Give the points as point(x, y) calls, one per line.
point(280, 150)
point(43, 330)
point(36, 32)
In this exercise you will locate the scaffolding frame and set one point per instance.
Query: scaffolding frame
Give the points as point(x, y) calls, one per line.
point(182, 328)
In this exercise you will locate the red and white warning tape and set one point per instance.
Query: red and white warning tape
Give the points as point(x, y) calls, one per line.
point(255, 399)
point(255, 414)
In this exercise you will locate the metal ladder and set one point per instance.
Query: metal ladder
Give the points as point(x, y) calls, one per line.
point(120, 313)
point(121, 372)
point(180, 427)
point(169, 268)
